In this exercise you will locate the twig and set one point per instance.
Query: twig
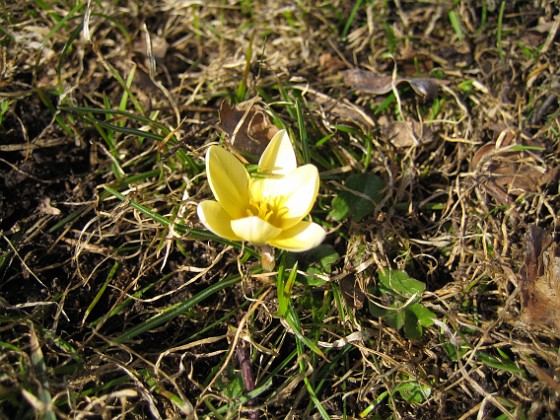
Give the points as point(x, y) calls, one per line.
point(243, 354)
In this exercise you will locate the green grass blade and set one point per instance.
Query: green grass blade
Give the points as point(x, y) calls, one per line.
point(178, 309)
point(499, 30)
point(350, 19)
point(101, 291)
point(456, 24)
point(292, 319)
point(193, 233)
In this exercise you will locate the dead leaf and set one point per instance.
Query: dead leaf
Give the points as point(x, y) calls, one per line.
point(403, 134)
point(511, 167)
point(343, 110)
point(158, 46)
point(367, 81)
point(427, 88)
point(329, 64)
point(376, 84)
point(46, 207)
point(540, 280)
point(352, 292)
point(356, 276)
point(248, 127)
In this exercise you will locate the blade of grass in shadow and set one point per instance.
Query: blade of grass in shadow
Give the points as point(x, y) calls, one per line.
point(284, 287)
point(302, 133)
point(40, 370)
point(75, 215)
point(87, 114)
point(300, 342)
point(84, 111)
point(327, 371)
point(101, 291)
point(151, 214)
point(106, 64)
point(456, 24)
point(218, 322)
point(292, 319)
point(264, 384)
point(45, 98)
point(193, 233)
point(499, 30)
point(385, 104)
point(350, 19)
point(182, 229)
point(504, 363)
point(98, 323)
point(177, 309)
point(66, 50)
point(125, 130)
point(315, 400)
point(124, 98)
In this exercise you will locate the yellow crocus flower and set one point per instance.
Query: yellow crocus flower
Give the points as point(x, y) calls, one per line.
point(268, 208)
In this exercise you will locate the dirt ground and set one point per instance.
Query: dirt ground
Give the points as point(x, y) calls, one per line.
point(441, 118)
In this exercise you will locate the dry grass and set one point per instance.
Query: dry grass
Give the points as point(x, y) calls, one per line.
point(115, 302)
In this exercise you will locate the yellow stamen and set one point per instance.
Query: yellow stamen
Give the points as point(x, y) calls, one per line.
point(271, 209)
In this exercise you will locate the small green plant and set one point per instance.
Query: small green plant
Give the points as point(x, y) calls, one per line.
point(413, 391)
point(359, 197)
point(4, 107)
point(400, 305)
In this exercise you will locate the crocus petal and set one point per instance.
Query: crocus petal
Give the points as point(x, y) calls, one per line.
point(301, 237)
point(298, 190)
point(301, 189)
point(229, 181)
point(279, 157)
point(255, 229)
point(216, 219)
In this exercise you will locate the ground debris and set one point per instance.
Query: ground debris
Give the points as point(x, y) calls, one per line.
point(248, 127)
point(340, 110)
point(511, 167)
point(403, 134)
point(377, 84)
point(540, 280)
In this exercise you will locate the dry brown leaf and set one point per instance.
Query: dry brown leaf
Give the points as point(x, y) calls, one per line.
point(508, 170)
point(158, 46)
point(404, 134)
point(329, 64)
point(343, 110)
point(352, 293)
point(367, 81)
point(248, 128)
point(540, 280)
point(376, 84)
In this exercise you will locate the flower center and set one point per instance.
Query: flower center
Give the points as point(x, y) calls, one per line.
point(271, 209)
